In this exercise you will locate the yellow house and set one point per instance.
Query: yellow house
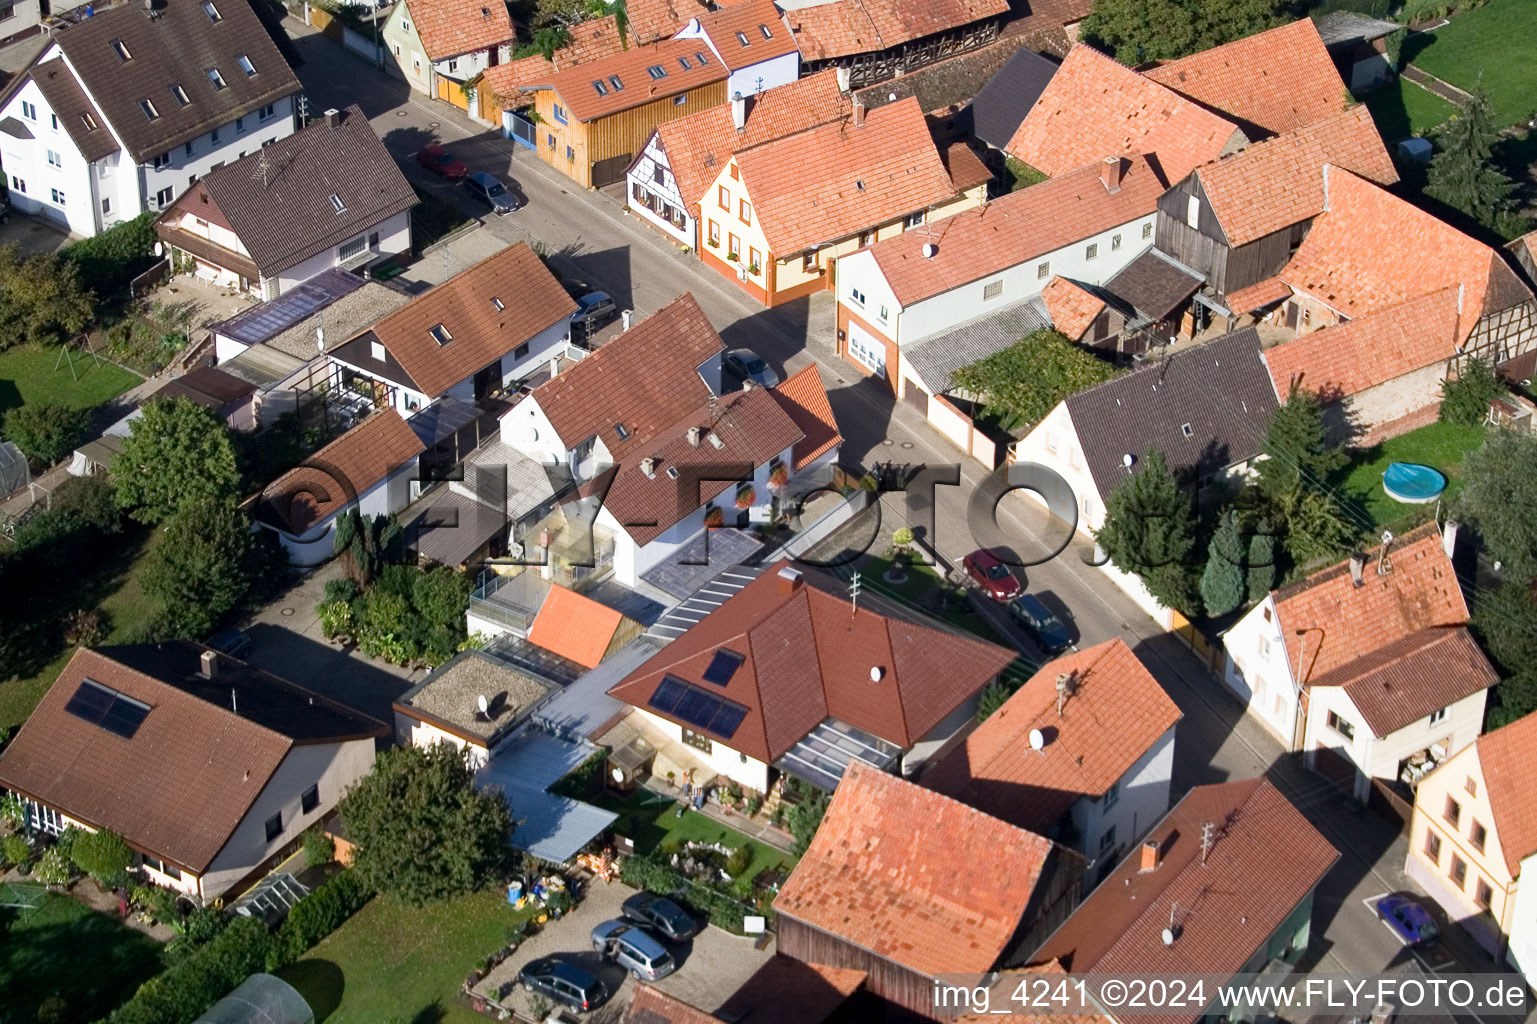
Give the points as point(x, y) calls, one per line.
point(778, 216)
point(1473, 831)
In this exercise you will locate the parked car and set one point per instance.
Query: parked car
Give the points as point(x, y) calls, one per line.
point(499, 197)
point(1409, 920)
point(563, 982)
point(634, 949)
point(596, 310)
point(234, 642)
point(992, 575)
point(661, 915)
point(748, 365)
point(441, 162)
point(1044, 627)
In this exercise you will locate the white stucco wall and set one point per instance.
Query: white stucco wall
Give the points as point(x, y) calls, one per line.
point(1141, 799)
point(316, 545)
point(1378, 757)
point(1522, 952)
point(394, 237)
point(414, 732)
point(1257, 668)
point(747, 771)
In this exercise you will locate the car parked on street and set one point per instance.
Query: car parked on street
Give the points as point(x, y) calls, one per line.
point(441, 162)
point(488, 189)
point(661, 915)
point(1409, 920)
point(634, 949)
point(1044, 627)
point(992, 575)
point(748, 365)
point(564, 983)
point(236, 643)
point(595, 311)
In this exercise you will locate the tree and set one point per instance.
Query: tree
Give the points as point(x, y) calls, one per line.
point(108, 261)
point(89, 499)
point(1222, 21)
point(420, 828)
point(1150, 529)
point(102, 855)
point(1499, 498)
point(366, 546)
point(1317, 527)
point(1223, 585)
point(41, 298)
point(549, 39)
point(1505, 619)
point(175, 454)
point(1261, 573)
point(1025, 381)
point(805, 818)
point(1465, 398)
point(200, 568)
point(1137, 31)
point(46, 432)
point(1296, 448)
point(1463, 176)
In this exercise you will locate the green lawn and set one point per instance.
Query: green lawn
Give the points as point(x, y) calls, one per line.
point(1401, 109)
point(393, 963)
point(921, 592)
point(1499, 42)
point(651, 819)
point(27, 376)
point(64, 949)
point(1441, 445)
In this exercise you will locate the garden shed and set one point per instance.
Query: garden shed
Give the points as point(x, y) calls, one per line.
point(260, 999)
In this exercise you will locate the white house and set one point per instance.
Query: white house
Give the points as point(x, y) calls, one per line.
point(752, 41)
point(442, 48)
point(111, 119)
point(256, 760)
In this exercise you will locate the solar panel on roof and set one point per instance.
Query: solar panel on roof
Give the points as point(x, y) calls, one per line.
point(697, 707)
point(272, 318)
point(104, 706)
point(722, 667)
point(668, 691)
point(727, 719)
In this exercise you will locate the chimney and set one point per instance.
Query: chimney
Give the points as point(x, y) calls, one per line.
point(738, 112)
point(1357, 567)
point(789, 580)
point(333, 118)
point(694, 433)
point(209, 667)
point(1449, 538)
point(1111, 171)
point(648, 467)
point(845, 80)
point(859, 113)
point(715, 439)
point(1152, 853)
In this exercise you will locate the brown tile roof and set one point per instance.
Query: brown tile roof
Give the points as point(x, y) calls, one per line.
point(1116, 713)
point(837, 180)
point(590, 41)
point(530, 298)
point(651, 20)
point(339, 473)
point(647, 378)
point(449, 28)
point(1403, 681)
point(752, 428)
point(277, 200)
point(804, 398)
point(806, 658)
point(1265, 859)
point(86, 127)
point(1093, 108)
point(576, 85)
point(751, 18)
point(653, 1006)
point(915, 877)
point(1344, 621)
point(698, 146)
point(1279, 182)
point(1344, 263)
point(1071, 307)
point(1258, 295)
point(178, 47)
point(1279, 80)
point(220, 760)
point(208, 386)
point(965, 168)
point(1508, 759)
point(845, 27)
point(574, 627)
point(1378, 347)
point(1014, 229)
point(791, 990)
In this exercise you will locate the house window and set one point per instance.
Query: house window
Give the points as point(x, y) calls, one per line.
point(149, 110)
point(1043, 270)
point(310, 800)
point(240, 127)
point(684, 62)
point(1091, 252)
point(570, 153)
point(347, 250)
point(163, 197)
point(58, 197)
point(867, 353)
point(754, 259)
point(599, 88)
point(697, 741)
point(884, 314)
point(741, 37)
point(1111, 796)
point(658, 176)
point(809, 262)
point(1452, 812)
point(551, 139)
point(657, 72)
point(701, 58)
point(337, 204)
point(736, 172)
point(714, 234)
point(1459, 872)
point(1478, 836)
point(1263, 646)
point(1147, 230)
point(7, 12)
point(1341, 726)
point(54, 121)
point(680, 99)
point(171, 871)
point(1115, 243)
point(265, 112)
point(187, 149)
point(1107, 840)
point(1433, 847)
point(723, 198)
point(733, 247)
point(992, 289)
point(216, 78)
point(440, 334)
point(89, 120)
point(614, 81)
point(1437, 717)
point(58, 161)
point(213, 137)
point(744, 211)
point(453, 66)
point(405, 24)
point(210, 10)
point(1053, 439)
point(376, 349)
point(106, 205)
point(520, 351)
point(1471, 786)
point(913, 220)
point(1193, 211)
point(246, 65)
point(274, 826)
point(858, 296)
point(560, 114)
point(1483, 894)
point(163, 160)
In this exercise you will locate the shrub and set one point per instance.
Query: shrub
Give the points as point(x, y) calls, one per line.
point(84, 628)
point(103, 855)
point(16, 849)
point(318, 847)
point(723, 909)
point(580, 782)
point(1465, 399)
point(340, 589)
point(13, 810)
point(188, 988)
point(53, 868)
point(46, 432)
point(316, 916)
point(196, 930)
point(109, 261)
point(335, 618)
point(738, 860)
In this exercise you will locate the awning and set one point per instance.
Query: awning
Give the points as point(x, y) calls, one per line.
point(14, 128)
point(552, 828)
point(823, 755)
point(452, 527)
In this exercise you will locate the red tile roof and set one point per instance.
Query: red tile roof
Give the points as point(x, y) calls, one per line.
point(791, 990)
point(574, 627)
point(651, 20)
point(698, 146)
point(653, 1006)
point(1379, 347)
point(340, 473)
point(1279, 80)
point(844, 27)
point(836, 180)
point(806, 657)
point(1404, 681)
point(804, 398)
point(1279, 182)
point(590, 41)
point(1344, 262)
point(752, 18)
point(1005, 989)
point(451, 27)
point(1258, 295)
point(578, 87)
point(965, 168)
point(1072, 309)
point(1093, 108)
point(647, 378)
point(915, 877)
point(1264, 860)
point(1014, 229)
point(1343, 621)
point(1115, 714)
point(1508, 759)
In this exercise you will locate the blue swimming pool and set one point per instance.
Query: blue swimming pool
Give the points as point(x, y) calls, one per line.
point(1413, 483)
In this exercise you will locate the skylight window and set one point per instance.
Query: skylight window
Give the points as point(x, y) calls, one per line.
point(337, 204)
point(246, 65)
point(766, 33)
point(622, 431)
point(496, 304)
point(121, 48)
point(180, 94)
point(684, 62)
point(90, 122)
point(657, 72)
point(616, 83)
point(741, 37)
point(212, 11)
point(216, 78)
point(149, 110)
point(701, 58)
point(440, 334)
point(599, 87)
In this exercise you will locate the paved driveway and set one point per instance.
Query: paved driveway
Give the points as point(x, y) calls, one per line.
point(32, 234)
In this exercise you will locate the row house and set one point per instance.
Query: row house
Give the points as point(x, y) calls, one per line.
point(445, 47)
point(123, 112)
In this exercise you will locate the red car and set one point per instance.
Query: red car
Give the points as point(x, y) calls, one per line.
point(441, 162)
point(992, 575)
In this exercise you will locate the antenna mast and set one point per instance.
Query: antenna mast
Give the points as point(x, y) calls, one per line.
point(854, 593)
point(1208, 840)
point(1384, 563)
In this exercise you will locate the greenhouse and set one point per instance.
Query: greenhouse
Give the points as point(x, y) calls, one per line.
point(260, 999)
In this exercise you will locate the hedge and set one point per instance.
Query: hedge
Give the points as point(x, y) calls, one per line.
point(204, 977)
point(110, 261)
point(316, 916)
point(654, 875)
point(580, 781)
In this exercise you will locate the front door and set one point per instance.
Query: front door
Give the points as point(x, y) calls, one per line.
point(488, 380)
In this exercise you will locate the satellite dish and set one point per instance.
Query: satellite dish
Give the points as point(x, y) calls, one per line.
point(930, 250)
point(1128, 459)
point(159, 249)
point(483, 704)
point(1037, 740)
point(618, 774)
point(876, 672)
point(1168, 936)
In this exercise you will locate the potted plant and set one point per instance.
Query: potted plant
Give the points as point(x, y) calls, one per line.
point(714, 243)
point(715, 517)
point(731, 256)
point(753, 270)
point(779, 476)
point(746, 495)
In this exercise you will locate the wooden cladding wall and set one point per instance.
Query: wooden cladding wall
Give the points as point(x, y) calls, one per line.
point(882, 65)
point(904, 989)
point(619, 137)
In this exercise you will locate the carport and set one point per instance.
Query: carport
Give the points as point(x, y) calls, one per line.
point(552, 828)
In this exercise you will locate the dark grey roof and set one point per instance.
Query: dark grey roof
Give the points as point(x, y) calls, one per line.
point(1219, 390)
point(1344, 28)
point(177, 43)
point(937, 357)
point(269, 319)
point(15, 129)
point(441, 420)
point(1008, 96)
point(1155, 284)
point(278, 199)
point(75, 110)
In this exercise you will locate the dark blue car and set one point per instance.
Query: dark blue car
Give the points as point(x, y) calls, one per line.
point(1410, 922)
point(1038, 621)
